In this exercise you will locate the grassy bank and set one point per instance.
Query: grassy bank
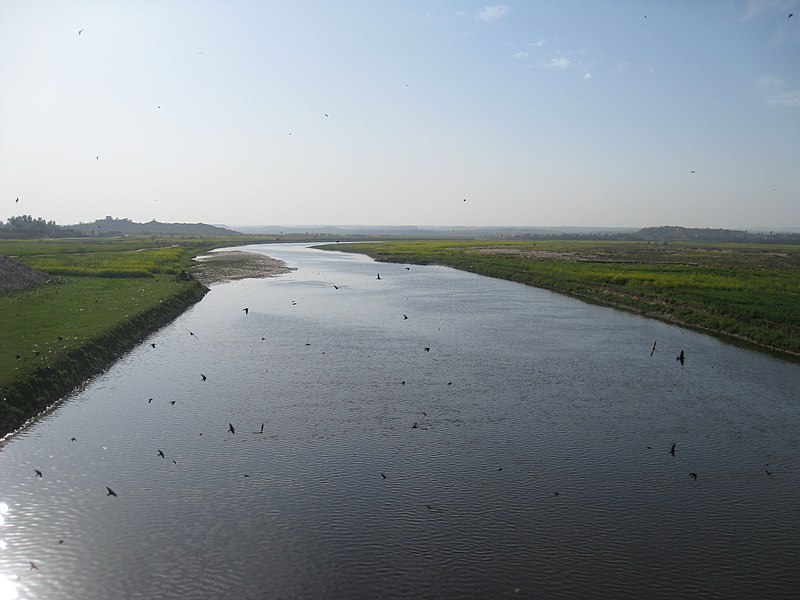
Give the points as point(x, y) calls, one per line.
point(748, 292)
point(104, 297)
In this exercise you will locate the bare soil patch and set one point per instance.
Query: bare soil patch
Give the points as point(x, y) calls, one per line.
point(14, 275)
point(219, 267)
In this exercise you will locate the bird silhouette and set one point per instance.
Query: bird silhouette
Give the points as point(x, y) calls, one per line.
point(382, 475)
point(111, 492)
point(414, 426)
point(693, 475)
point(427, 349)
point(653, 349)
point(153, 345)
point(161, 453)
point(336, 287)
point(246, 310)
point(172, 402)
point(379, 275)
point(80, 31)
point(203, 377)
point(192, 334)
point(262, 429)
point(38, 472)
point(672, 449)
point(681, 357)
point(790, 15)
point(767, 471)
point(403, 382)
point(231, 428)
point(408, 268)
point(405, 317)
point(33, 566)
point(17, 200)
point(692, 171)
point(149, 400)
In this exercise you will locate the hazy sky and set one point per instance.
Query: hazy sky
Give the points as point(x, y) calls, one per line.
point(588, 113)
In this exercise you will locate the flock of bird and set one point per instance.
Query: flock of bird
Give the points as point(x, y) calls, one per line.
point(231, 429)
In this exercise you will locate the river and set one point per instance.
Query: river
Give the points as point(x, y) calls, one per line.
point(428, 434)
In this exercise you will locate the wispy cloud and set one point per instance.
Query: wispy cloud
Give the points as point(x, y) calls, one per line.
point(756, 8)
point(521, 55)
point(788, 98)
point(770, 81)
point(558, 63)
point(537, 44)
point(587, 76)
point(493, 13)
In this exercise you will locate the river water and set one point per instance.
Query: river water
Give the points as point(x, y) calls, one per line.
point(539, 466)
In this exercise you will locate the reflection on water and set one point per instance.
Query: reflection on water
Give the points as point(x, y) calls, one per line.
point(539, 465)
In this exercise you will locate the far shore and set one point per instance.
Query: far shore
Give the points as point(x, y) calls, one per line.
point(230, 265)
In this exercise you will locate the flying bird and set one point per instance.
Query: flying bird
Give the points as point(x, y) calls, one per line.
point(111, 492)
point(672, 449)
point(382, 475)
point(379, 275)
point(190, 333)
point(262, 429)
point(80, 31)
point(790, 15)
point(161, 453)
point(427, 349)
point(203, 377)
point(246, 310)
point(767, 471)
point(73, 439)
point(693, 475)
point(653, 349)
point(172, 402)
point(38, 472)
point(405, 317)
point(336, 287)
point(153, 345)
point(149, 400)
point(33, 566)
point(231, 429)
point(17, 200)
point(681, 357)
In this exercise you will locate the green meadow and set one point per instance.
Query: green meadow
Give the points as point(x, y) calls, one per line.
point(96, 286)
point(747, 291)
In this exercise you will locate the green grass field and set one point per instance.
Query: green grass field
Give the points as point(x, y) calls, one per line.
point(97, 284)
point(751, 292)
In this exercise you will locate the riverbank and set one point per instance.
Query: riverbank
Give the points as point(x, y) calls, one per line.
point(92, 302)
point(35, 392)
point(743, 292)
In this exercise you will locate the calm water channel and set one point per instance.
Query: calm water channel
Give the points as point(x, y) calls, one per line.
point(539, 466)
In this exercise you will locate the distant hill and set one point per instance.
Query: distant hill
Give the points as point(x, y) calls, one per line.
point(112, 226)
point(672, 233)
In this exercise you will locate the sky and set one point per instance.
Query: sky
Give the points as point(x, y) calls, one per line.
point(375, 112)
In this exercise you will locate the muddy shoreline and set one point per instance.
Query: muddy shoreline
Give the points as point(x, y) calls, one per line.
point(231, 265)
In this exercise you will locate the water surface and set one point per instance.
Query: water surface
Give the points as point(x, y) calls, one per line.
point(539, 466)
